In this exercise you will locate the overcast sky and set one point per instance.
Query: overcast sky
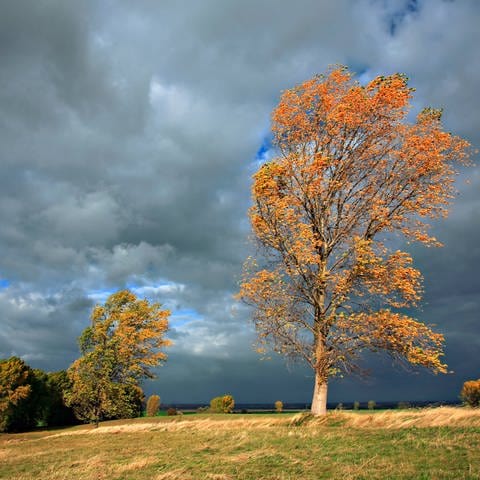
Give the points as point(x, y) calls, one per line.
point(129, 131)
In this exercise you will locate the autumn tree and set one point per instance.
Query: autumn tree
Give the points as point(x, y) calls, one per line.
point(223, 404)
point(350, 174)
point(119, 349)
point(470, 393)
point(153, 405)
point(23, 395)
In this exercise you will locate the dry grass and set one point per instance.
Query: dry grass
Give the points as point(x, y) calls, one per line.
point(441, 443)
point(388, 419)
point(424, 418)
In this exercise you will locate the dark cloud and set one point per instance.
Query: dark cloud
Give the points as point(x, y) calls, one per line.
point(128, 134)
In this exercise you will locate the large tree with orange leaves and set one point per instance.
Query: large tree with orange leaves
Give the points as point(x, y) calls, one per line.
point(351, 173)
point(119, 349)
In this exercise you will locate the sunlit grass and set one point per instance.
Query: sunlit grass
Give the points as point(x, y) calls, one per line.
point(439, 443)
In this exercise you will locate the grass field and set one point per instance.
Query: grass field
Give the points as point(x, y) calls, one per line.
point(441, 443)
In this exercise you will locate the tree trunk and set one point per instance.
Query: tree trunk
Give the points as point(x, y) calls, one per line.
point(319, 400)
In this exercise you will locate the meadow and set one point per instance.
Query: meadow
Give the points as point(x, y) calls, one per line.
point(439, 443)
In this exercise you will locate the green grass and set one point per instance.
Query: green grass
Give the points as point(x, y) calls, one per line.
point(240, 447)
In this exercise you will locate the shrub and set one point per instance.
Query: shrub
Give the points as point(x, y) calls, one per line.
point(222, 404)
point(279, 406)
point(216, 405)
point(153, 405)
point(470, 393)
point(403, 405)
point(171, 412)
point(339, 406)
point(356, 405)
point(371, 404)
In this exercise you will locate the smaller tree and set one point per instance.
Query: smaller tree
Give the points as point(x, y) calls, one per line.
point(153, 405)
point(470, 393)
point(371, 404)
point(279, 406)
point(23, 396)
point(228, 403)
point(119, 349)
point(222, 404)
point(356, 405)
point(15, 389)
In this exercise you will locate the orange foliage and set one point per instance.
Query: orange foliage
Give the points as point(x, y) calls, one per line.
point(470, 393)
point(350, 172)
point(119, 350)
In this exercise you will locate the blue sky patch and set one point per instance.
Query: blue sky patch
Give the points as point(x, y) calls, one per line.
point(411, 7)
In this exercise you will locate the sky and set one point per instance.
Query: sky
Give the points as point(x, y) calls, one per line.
point(129, 132)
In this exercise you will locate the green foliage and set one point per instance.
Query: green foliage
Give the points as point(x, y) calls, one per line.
point(371, 404)
point(118, 350)
point(222, 404)
point(470, 393)
point(278, 406)
point(403, 405)
point(95, 397)
point(58, 413)
point(153, 405)
point(356, 405)
point(216, 405)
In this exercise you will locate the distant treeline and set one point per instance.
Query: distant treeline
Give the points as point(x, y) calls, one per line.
point(239, 407)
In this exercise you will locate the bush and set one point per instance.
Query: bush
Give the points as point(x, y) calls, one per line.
point(171, 411)
point(153, 405)
point(403, 405)
point(470, 393)
point(371, 404)
point(356, 405)
point(279, 406)
point(223, 404)
point(339, 406)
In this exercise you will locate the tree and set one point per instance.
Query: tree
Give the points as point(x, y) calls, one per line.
point(470, 393)
point(153, 405)
point(350, 173)
point(222, 404)
point(23, 395)
point(119, 349)
point(15, 388)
